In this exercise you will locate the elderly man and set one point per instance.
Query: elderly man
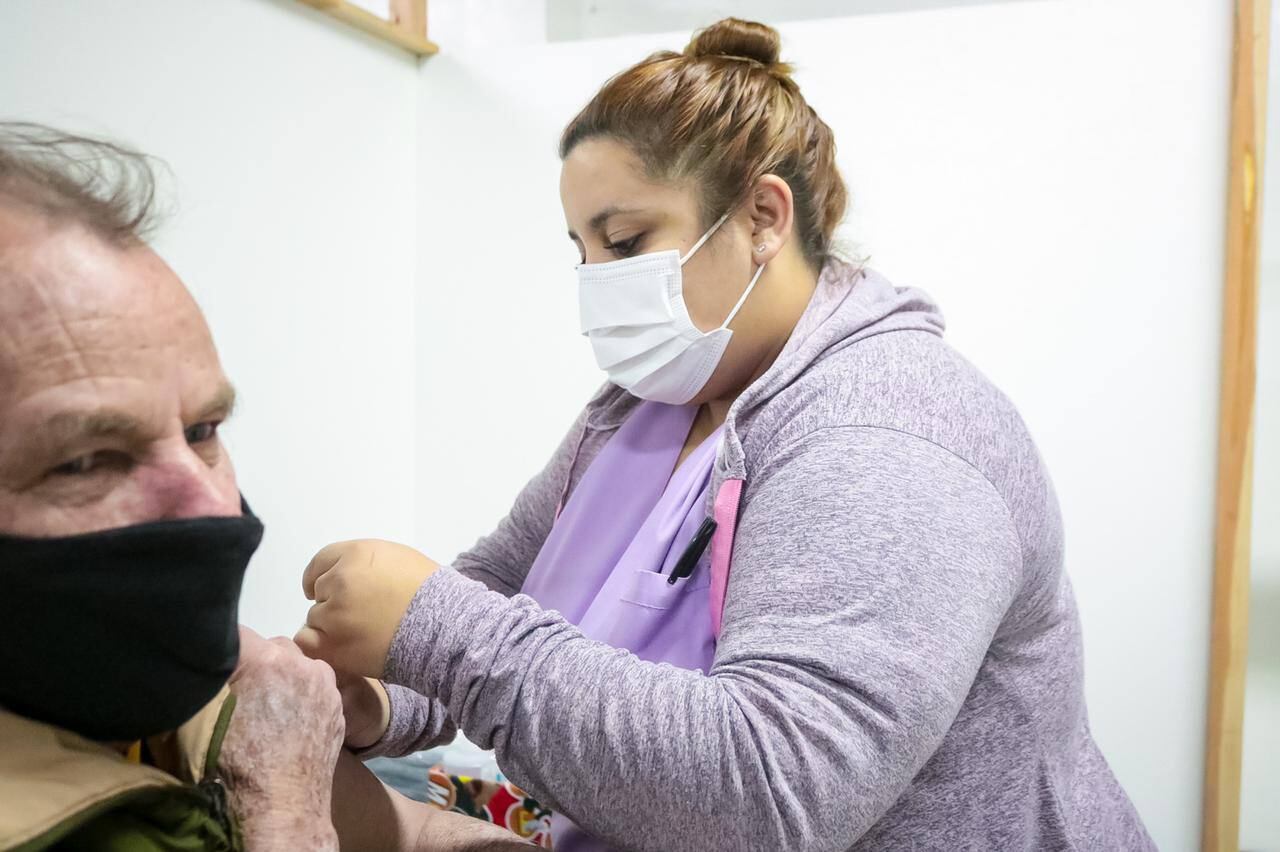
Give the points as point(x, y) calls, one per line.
point(133, 713)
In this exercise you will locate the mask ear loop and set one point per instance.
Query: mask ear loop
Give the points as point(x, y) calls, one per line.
point(733, 313)
point(702, 239)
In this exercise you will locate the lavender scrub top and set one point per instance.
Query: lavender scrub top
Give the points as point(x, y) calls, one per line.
point(606, 563)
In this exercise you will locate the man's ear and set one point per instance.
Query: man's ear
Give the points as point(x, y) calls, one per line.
point(772, 209)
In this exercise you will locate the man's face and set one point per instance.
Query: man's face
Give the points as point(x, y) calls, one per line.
point(110, 388)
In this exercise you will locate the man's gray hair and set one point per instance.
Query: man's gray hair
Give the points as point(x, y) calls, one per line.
point(102, 185)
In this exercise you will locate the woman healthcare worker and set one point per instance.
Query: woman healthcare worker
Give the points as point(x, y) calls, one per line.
point(878, 647)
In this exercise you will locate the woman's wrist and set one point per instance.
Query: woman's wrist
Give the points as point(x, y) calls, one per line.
point(367, 709)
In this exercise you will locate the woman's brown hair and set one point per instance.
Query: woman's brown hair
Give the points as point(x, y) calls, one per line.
point(724, 113)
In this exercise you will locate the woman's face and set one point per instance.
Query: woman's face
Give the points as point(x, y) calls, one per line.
point(614, 211)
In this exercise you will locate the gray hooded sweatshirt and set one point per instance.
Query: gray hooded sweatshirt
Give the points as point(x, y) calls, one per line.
point(899, 662)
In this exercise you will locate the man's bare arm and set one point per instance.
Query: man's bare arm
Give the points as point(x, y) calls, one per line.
point(369, 815)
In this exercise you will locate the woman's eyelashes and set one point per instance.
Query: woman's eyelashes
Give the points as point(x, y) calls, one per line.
point(618, 248)
point(624, 248)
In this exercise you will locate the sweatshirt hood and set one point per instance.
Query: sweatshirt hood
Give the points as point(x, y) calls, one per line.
point(850, 304)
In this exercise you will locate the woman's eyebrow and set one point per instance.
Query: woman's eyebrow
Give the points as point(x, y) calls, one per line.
point(598, 221)
point(602, 218)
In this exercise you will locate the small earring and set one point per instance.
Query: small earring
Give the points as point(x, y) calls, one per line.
point(760, 247)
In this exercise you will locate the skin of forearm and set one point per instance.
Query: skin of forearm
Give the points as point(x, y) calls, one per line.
point(370, 816)
point(442, 831)
point(280, 814)
point(367, 814)
point(271, 824)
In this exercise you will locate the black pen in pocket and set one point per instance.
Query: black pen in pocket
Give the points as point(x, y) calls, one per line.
point(692, 553)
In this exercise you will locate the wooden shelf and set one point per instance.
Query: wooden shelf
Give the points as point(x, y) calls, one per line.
point(410, 35)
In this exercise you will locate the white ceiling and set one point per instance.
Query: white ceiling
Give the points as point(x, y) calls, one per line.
point(583, 19)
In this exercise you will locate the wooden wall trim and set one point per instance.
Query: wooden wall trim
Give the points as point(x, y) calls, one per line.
point(1229, 628)
point(406, 28)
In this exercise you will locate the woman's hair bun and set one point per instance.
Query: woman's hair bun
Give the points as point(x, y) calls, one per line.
point(737, 39)
point(718, 116)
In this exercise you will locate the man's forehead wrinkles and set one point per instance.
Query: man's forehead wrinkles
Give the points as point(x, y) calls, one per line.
point(60, 412)
point(9, 347)
point(57, 341)
point(88, 332)
point(69, 340)
point(43, 343)
point(55, 366)
point(32, 315)
point(75, 314)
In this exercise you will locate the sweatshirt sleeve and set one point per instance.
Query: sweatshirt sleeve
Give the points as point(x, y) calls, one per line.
point(417, 723)
point(500, 561)
point(871, 569)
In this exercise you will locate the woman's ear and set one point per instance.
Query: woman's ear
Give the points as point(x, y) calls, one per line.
point(772, 209)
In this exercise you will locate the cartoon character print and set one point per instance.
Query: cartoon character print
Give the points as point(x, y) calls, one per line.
point(503, 804)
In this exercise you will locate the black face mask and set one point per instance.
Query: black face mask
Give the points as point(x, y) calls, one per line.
point(126, 633)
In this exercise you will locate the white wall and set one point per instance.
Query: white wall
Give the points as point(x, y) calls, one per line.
point(381, 253)
point(1053, 172)
point(292, 142)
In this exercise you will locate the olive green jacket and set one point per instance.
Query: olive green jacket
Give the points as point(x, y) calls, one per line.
point(60, 791)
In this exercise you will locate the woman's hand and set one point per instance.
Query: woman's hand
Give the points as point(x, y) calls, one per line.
point(361, 591)
point(366, 708)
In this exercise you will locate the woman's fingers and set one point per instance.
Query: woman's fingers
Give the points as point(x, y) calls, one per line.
point(323, 588)
point(361, 590)
point(311, 642)
point(320, 565)
point(323, 635)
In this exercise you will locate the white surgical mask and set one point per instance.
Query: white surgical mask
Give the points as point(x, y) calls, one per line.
point(634, 313)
